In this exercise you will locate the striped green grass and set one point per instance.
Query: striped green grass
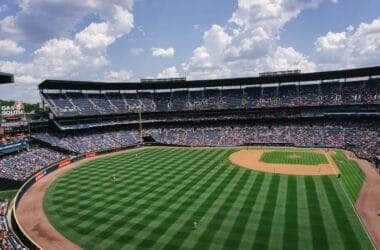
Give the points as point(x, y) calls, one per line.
point(294, 157)
point(351, 175)
point(160, 192)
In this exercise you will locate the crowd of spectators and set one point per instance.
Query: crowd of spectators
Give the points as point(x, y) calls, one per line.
point(7, 239)
point(362, 137)
point(331, 93)
point(19, 166)
point(8, 139)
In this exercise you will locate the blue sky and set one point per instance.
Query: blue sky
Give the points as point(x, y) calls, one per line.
point(125, 40)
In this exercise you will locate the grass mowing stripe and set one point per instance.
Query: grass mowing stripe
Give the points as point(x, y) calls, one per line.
point(182, 233)
point(137, 224)
point(316, 220)
point(147, 205)
point(332, 231)
point(136, 198)
point(170, 218)
point(241, 220)
point(96, 189)
point(96, 211)
point(266, 220)
point(305, 238)
point(290, 236)
point(278, 225)
point(346, 233)
point(213, 226)
point(357, 225)
point(352, 176)
point(136, 173)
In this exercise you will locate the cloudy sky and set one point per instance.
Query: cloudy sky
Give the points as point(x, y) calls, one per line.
point(125, 40)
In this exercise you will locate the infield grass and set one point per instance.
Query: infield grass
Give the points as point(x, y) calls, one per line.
point(160, 192)
point(294, 157)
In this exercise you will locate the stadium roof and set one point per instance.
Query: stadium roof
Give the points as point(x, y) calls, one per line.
point(6, 78)
point(287, 78)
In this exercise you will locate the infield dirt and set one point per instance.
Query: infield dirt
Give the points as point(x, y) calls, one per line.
point(251, 159)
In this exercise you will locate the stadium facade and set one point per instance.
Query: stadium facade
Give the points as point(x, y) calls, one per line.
point(329, 109)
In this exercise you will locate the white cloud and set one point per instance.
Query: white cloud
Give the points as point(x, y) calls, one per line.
point(136, 51)
point(168, 73)
point(3, 8)
point(118, 76)
point(161, 52)
point(210, 54)
point(40, 20)
point(331, 41)
point(9, 47)
point(350, 48)
point(248, 43)
point(289, 59)
point(81, 56)
point(335, 1)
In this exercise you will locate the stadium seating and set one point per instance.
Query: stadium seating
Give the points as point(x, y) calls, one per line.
point(362, 137)
point(90, 141)
point(327, 94)
point(7, 239)
point(20, 166)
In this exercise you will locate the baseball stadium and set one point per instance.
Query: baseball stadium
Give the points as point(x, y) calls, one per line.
point(283, 160)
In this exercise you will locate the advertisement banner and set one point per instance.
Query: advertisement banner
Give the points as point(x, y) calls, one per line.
point(90, 154)
point(40, 175)
point(63, 163)
point(16, 109)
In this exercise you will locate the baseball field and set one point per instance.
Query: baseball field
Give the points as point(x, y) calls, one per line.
point(150, 199)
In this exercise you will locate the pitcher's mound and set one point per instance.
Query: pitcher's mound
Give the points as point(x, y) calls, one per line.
point(251, 159)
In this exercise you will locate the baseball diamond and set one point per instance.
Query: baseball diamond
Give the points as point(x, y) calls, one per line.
point(160, 193)
point(205, 125)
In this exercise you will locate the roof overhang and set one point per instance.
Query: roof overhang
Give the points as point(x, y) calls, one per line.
point(6, 78)
point(243, 81)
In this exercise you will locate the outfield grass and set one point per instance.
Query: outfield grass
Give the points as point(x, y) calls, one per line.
point(158, 194)
point(294, 157)
point(351, 175)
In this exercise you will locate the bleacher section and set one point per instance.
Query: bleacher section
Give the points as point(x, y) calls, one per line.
point(21, 165)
